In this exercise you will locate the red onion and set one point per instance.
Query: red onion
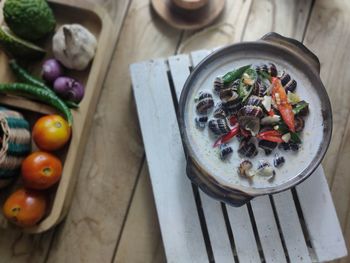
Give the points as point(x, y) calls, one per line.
point(69, 89)
point(52, 69)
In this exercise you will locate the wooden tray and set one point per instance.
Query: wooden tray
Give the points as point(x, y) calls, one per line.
point(99, 23)
point(297, 225)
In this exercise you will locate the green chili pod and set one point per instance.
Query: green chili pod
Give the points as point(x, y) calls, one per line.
point(235, 74)
point(39, 94)
point(24, 76)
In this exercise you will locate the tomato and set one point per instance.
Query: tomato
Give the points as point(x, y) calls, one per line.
point(41, 170)
point(25, 207)
point(51, 132)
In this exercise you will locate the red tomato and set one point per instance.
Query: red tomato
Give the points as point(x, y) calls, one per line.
point(51, 132)
point(25, 207)
point(41, 170)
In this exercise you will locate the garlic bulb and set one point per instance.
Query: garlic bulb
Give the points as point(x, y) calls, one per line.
point(74, 46)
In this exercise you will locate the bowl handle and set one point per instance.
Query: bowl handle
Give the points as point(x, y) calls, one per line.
point(295, 46)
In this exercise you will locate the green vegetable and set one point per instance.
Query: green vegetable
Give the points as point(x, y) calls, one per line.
point(294, 138)
point(264, 75)
point(282, 128)
point(18, 47)
point(248, 79)
point(29, 19)
point(25, 77)
point(39, 94)
point(300, 107)
point(235, 74)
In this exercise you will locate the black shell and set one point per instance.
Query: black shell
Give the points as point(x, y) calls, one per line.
point(287, 82)
point(260, 88)
point(218, 84)
point(201, 121)
point(267, 146)
point(278, 161)
point(230, 100)
point(285, 78)
point(299, 124)
point(250, 110)
point(205, 102)
point(225, 151)
point(254, 100)
point(291, 86)
point(219, 111)
point(249, 118)
point(219, 126)
point(247, 149)
point(289, 146)
point(269, 68)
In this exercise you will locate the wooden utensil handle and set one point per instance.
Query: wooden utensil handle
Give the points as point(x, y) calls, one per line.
point(296, 46)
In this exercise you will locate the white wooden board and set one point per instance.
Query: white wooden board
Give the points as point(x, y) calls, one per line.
point(194, 227)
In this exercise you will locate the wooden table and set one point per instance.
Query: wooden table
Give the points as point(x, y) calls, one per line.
point(112, 217)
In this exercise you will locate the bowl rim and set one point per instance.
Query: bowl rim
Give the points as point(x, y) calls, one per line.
point(315, 162)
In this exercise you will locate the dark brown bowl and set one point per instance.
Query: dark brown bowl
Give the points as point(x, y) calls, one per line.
point(217, 181)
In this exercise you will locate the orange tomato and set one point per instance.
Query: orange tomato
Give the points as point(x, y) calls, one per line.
point(51, 132)
point(25, 207)
point(41, 170)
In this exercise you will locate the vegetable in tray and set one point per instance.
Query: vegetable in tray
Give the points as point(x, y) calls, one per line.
point(259, 106)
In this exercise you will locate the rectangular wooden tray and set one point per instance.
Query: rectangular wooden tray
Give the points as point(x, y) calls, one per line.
point(98, 22)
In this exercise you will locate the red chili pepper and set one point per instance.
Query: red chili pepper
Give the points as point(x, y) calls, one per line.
point(284, 107)
point(233, 120)
point(228, 136)
point(271, 113)
point(272, 136)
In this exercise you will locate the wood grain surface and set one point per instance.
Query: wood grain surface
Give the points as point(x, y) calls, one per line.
point(113, 218)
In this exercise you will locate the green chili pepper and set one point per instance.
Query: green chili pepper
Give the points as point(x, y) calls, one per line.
point(24, 76)
point(39, 94)
point(248, 79)
point(300, 106)
point(294, 138)
point(235, 74)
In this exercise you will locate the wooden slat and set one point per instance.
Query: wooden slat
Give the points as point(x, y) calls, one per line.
point(290, 227)
point(141, 240)
point(267, 229)
point(218, 235)
point(320, 217)
point(242, 230)
point(197, 56)
point(114, 152)
point(179, 70)
point(166, 163)
point(220, 243)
